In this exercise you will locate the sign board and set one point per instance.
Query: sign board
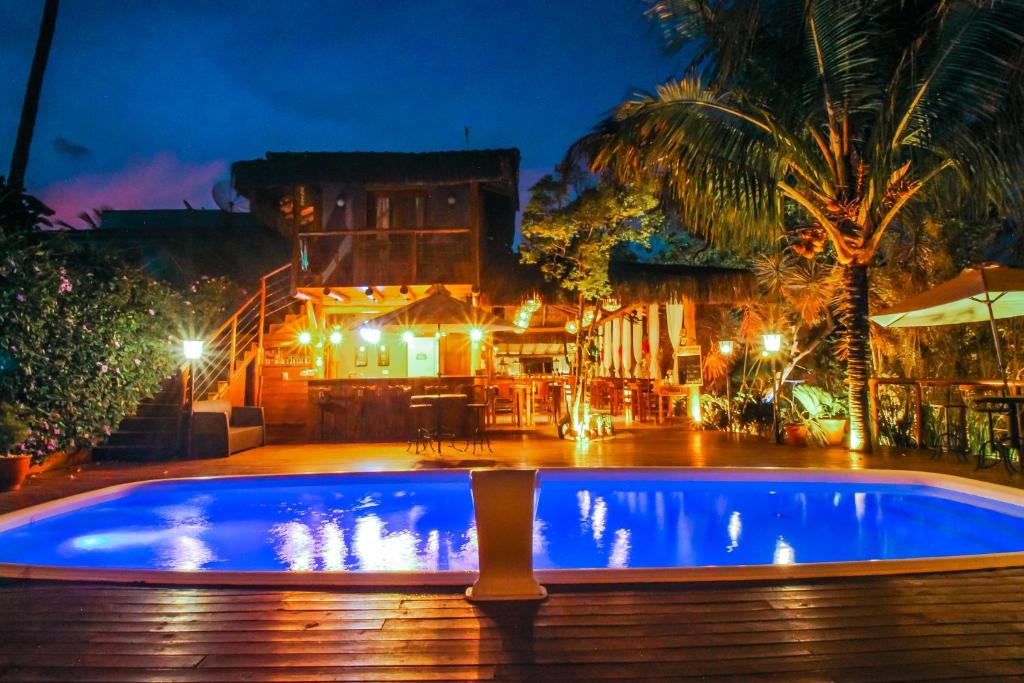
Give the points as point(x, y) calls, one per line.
point(690, 367)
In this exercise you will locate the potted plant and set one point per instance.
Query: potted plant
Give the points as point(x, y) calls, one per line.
point(823, 415)
point(13, 467)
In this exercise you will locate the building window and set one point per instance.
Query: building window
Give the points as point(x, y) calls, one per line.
point(382, 218)
point(401, 209)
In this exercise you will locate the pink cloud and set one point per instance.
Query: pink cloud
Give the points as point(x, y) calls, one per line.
point(162, 182)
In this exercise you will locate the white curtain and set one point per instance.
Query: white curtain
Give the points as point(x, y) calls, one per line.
point(606, 349)
point(627, 348)
point(638, 343)
point(616, 342)
point(674, 316)
point(654, 337)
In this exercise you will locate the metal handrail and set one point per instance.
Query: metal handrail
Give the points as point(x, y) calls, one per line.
point(225, 349)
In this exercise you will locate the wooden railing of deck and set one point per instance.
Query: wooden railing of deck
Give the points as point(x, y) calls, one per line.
point(917, 389)
point(238, 342)
point(392, 256)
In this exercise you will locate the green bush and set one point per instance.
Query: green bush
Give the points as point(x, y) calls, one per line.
point(82, 340)
point(12, 430)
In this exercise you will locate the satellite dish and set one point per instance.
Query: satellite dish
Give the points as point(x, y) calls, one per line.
point(223, 196)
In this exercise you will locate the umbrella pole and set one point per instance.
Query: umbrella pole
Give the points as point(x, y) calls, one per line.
point(1014, 425)
point(998, 345)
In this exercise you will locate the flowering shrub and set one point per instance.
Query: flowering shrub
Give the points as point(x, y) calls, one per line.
point(82, 340)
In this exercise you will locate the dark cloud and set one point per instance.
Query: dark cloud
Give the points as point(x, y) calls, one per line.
point(71, 150)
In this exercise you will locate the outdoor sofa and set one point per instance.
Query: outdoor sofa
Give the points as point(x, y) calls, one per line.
point(219, 429)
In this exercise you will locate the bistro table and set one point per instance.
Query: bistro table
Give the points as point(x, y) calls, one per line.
point(670, 392)
point(439, 403)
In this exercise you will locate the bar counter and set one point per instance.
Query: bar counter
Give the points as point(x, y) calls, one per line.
point(371, 410)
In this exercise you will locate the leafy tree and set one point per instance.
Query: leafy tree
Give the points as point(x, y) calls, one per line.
point(859, 112)
point(570, 228)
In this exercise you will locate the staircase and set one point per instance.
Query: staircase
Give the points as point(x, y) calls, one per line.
point(229, 370)
point(151, 433)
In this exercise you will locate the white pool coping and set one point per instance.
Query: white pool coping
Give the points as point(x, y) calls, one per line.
point(766, 572)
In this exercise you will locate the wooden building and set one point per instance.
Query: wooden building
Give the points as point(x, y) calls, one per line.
point(345, 238)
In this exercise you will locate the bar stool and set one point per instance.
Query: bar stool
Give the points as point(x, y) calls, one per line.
point(477, 435)
point(421, 427)
point(994, 407)
point(950, 440)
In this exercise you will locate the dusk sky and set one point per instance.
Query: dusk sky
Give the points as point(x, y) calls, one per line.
point(147, 103)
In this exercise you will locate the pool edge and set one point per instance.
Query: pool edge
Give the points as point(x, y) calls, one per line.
point(598, 576)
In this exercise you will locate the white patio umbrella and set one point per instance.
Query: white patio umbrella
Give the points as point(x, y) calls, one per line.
point(975, 295)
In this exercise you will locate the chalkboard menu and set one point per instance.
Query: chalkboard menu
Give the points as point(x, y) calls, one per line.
point(690, 365)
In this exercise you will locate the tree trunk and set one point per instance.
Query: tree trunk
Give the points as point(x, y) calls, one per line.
point(30, 106)
point(858, 348)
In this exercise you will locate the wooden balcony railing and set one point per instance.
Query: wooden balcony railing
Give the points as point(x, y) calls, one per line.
point(386, 257)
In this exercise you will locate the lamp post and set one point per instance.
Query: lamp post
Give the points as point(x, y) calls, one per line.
point(772, 343)
point(192, 350)
point(725, 347)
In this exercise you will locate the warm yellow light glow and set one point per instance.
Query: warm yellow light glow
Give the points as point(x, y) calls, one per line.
point(772, 342)
point(407, 337)
point(192, 348)
point(725, 347)
point(370, 335)
point(856, 439)
point(476, 334)
point(336, 337)
point(305, 337)
point(571, 327)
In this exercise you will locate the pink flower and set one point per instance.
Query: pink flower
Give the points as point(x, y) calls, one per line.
point(20, 297)
point(103, 367)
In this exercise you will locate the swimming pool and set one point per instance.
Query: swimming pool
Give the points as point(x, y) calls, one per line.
point(590, 525)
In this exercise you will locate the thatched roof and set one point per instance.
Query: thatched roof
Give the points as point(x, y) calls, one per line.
point(636, 283)
point(289, 168)
point(633, 282)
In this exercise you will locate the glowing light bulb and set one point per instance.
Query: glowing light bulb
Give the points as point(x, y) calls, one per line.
point(407, 337)
point(772, 342)
point(305, 337)
point(336, 337)
point(370, 335)
point(476, 334)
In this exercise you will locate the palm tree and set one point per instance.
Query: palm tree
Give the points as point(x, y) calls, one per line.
point(856, 112)
point(30, 106)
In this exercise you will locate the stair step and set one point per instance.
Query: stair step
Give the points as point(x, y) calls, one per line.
point(149, 424)
point(128, 437)
point(157, 410)
point(137, 453)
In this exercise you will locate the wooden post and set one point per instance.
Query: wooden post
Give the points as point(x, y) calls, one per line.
point(234, 347)
point(873, 396)
point(690, 331)
point(918, 417)
point(476, 208)
point(258, 389)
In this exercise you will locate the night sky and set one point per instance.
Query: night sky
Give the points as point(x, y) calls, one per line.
point(147, 103)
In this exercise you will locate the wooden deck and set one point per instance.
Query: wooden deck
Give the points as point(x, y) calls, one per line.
point(942, 626)
point(954, 626)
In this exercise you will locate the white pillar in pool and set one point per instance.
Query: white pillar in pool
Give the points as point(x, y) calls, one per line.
point(504, 504)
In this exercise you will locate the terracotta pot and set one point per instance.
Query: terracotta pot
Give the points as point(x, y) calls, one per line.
point(835, 431)
point(795, 434)
point(13, 469)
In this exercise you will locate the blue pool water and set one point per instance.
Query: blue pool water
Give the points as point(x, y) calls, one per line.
point(424, 521)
